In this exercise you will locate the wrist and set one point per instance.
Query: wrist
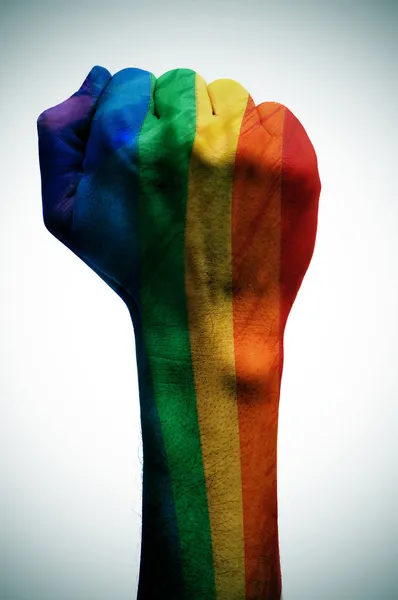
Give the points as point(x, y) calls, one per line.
point(209, 487)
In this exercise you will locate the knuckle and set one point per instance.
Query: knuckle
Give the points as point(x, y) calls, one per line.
point(173, 74)
point(44, 119)
point(228, 84)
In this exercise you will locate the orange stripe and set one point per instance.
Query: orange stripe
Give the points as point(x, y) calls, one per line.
point(256, 241)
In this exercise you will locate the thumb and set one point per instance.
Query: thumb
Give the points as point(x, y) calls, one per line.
point(62, 135)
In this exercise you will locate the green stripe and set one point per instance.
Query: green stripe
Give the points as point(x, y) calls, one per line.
point(165, 147)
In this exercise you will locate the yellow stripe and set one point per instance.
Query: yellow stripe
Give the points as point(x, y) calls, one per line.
point(209, 305)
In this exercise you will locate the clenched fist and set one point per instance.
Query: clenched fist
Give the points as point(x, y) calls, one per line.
point(200, 210)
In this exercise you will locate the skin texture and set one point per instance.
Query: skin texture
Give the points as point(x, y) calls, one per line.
point(200, 210)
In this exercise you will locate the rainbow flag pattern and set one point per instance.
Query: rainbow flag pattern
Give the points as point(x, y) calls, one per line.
point(203, 218)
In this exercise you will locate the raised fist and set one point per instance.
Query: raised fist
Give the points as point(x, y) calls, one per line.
point(200, 210)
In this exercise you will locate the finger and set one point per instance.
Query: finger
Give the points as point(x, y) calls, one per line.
point(299, 210)
point(105, 211)
point(121, 110)
point(62, 136)
point(227, 97)
point(173, 94)
point(269, 114)
point(204, 107)
point(204, 120)
point(229, 100)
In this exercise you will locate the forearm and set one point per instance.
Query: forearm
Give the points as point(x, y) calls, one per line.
point(210, 526)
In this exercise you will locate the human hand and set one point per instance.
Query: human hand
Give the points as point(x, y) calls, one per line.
point(202, 208)
point(128, 133)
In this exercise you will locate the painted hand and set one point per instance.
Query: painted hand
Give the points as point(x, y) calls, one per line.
point(202, 208)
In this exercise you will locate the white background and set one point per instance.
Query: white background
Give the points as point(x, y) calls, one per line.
point(70, 471)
